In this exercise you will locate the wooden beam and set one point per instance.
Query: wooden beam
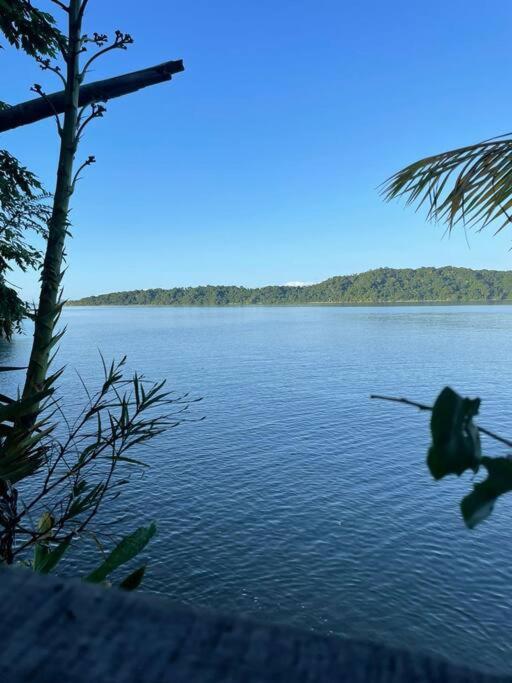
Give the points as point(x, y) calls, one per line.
point(99, 91)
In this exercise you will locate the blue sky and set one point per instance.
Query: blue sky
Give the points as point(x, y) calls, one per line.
point(260, 163)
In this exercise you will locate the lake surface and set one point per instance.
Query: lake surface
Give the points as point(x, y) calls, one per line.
point(297, 499)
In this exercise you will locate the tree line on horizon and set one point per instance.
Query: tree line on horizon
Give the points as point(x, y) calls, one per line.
point(383, 285)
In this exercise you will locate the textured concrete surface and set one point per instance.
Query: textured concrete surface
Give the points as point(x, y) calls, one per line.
point(53, 631)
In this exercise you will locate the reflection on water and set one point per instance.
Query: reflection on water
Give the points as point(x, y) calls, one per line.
point(297, 499)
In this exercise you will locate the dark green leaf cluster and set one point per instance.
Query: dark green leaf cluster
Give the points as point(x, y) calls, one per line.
point(16, 182)
point(456, 448)
point(28, 28)
point(455, 439)
point(13, 310)
point(23, 210)
point(381, 286)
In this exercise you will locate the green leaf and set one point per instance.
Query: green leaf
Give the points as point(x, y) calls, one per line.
point(82, 503)
point(479, 193)
point(42, 549)
point(134, 579)
point(132, 461)
point(479, 504)
point(46, 560)
point(125, 551)
point(18, 409)
point(455, 438)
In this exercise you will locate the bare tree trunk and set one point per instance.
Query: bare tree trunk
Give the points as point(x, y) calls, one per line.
point(57, 228)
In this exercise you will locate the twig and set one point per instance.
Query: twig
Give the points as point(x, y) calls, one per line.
point(423, 406)
point(46, 65)
point(61, 5)
point(90, 160)
point(121, 41)
point(97, 111)
point(37, 89)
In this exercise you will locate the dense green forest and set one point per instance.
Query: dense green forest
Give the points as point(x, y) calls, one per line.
point(384, 285)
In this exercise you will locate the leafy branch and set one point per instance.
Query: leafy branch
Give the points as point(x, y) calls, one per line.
point(456, 448)
point(423, 406)
point(78, 474)
point(472, 184)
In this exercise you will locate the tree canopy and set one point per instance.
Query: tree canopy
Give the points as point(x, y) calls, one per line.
point(384, 285)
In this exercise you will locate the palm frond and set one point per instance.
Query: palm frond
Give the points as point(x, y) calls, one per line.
point(472, 185)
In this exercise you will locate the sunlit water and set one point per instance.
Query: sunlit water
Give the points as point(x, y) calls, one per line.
point(297, 499)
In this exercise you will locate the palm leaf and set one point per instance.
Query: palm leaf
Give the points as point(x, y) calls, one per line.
point(469, 184)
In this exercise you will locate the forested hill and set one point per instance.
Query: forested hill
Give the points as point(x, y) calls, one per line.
point(384, 285)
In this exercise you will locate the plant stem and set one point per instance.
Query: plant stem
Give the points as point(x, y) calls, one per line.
point(57, 228)
point(47, 312)
point(423, 406)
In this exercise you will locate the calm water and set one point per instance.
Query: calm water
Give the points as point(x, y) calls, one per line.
point(297, 499)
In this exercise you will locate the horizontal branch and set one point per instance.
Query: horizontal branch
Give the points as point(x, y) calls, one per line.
point(422, 406)
point(99, 91)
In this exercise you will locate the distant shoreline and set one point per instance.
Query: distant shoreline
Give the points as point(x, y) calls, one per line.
point(341, 304)
point(381, 287)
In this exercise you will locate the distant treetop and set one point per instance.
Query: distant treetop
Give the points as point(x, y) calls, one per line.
point(384, 285)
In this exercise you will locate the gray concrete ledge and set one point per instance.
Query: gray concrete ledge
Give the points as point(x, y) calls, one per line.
point(55, 631)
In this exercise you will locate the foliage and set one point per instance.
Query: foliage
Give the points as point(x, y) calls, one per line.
point(28, 28)
point(23, 210)
point(456, 448)
point(12, 311)
point(126, 550)
point(455, 439)
point(470, 185)
point(47, 558)
point(16, 182)
point(61, 480)
point(473, 186)
point(385, 285)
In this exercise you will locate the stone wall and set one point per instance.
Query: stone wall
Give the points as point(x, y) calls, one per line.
point(55, 631)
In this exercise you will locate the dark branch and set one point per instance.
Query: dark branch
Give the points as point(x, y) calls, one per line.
point(90, 160)
point(121, 41)
point(37, 89)
point(46, 65)
point(61, 5)
point(423, 406)
point(99, 91)
point(97, 112)
point(420, 406)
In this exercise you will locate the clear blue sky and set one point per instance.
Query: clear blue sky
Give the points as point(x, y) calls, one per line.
point(260, 163)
